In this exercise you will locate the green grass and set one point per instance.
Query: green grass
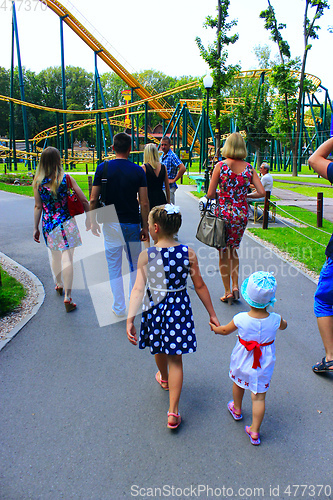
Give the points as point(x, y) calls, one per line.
point(306, 190)
point(11, 293)
point(304, 244)
point(313, 180)
point(10, 188)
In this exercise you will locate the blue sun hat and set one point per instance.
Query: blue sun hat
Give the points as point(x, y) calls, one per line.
point(259, 289)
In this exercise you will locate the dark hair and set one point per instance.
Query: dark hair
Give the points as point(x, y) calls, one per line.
point(167, 139)
point(122, 142)
point(170, 223)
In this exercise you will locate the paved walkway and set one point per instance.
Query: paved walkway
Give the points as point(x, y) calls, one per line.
point(83, 418)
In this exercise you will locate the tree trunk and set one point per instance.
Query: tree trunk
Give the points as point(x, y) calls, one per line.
point(295, 162)
point(258, 155)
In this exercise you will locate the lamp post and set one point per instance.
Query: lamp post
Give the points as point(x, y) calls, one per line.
point(208, 83)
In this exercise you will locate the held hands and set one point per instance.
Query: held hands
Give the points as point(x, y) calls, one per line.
point(131, 333)
point(214, 323)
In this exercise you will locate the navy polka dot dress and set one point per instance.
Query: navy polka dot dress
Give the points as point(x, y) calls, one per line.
point(167, 324)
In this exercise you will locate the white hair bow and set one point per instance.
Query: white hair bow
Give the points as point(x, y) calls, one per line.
point(171, 209)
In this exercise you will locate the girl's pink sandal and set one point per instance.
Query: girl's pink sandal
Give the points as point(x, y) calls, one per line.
point(254, 441)
point(231, 409)
point(177, 423)
point(160, 381)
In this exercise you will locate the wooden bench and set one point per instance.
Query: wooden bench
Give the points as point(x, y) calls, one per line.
point(261, 204)
point(199, 179)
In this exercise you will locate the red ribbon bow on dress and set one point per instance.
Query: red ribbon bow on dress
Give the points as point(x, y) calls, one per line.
point(252, 345)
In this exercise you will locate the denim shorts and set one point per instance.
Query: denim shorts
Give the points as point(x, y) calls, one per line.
point(323, 298)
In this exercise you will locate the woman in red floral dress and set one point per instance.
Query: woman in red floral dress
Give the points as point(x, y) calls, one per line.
point(233, 177)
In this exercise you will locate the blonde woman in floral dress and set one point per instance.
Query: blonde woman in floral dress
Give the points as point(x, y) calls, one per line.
point(60, 231)
point(232, 177)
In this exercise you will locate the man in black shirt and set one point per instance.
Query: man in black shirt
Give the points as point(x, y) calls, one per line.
point(126, 190)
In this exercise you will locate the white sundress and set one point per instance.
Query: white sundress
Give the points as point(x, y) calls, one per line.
point(261, 331)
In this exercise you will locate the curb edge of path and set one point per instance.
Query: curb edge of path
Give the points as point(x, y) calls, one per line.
point(40, 299)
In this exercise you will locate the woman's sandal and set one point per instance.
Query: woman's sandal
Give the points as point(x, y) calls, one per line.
point(235, 293)
point(231, 408)
point(70, 305)
point(227, 297)
point(160, 381)
point(323, 366)
point(177, 423)
point(59, 289)
point(254, 441)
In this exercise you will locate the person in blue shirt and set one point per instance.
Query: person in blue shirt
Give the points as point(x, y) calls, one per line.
point(323, 300)
point(175, 167)
point(126, 190)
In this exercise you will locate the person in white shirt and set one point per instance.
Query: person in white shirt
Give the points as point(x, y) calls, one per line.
point(266, 180)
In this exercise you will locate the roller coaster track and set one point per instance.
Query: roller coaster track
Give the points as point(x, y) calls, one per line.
point(256, 73)
point(158, 104)
point(75, 125)
point(100, 46)
point(103, 53)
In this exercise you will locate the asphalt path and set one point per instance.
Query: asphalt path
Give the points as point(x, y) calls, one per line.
point(82, 416)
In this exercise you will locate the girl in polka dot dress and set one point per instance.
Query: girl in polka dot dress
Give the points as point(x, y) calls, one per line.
point(167, 326)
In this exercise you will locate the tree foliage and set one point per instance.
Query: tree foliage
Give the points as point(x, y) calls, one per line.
point(45, 89)
point(291, 88)
point(216, 56)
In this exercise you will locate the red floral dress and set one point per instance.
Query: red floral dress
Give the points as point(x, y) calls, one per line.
point(232, 199)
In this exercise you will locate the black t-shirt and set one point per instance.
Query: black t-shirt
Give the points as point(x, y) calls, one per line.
point(124, 179)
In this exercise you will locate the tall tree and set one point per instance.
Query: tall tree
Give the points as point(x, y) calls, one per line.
point(290, 88)
point(4, 90)
point(216, 57)
point(254, 116)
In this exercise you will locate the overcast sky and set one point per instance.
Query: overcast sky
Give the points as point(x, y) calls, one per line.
point(147, 34)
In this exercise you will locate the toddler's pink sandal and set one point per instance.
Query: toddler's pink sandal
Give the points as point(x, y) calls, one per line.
point(231, 409)
point(254, 441)
point(176, 424)
point(160, 381)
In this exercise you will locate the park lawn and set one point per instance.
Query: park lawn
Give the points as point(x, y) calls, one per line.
point(11, 293)
point(313, 180)
point(304, 244)
point(11, 188)
point(306, 190)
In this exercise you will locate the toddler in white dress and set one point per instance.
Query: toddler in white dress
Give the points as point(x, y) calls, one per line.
point(253, 357)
